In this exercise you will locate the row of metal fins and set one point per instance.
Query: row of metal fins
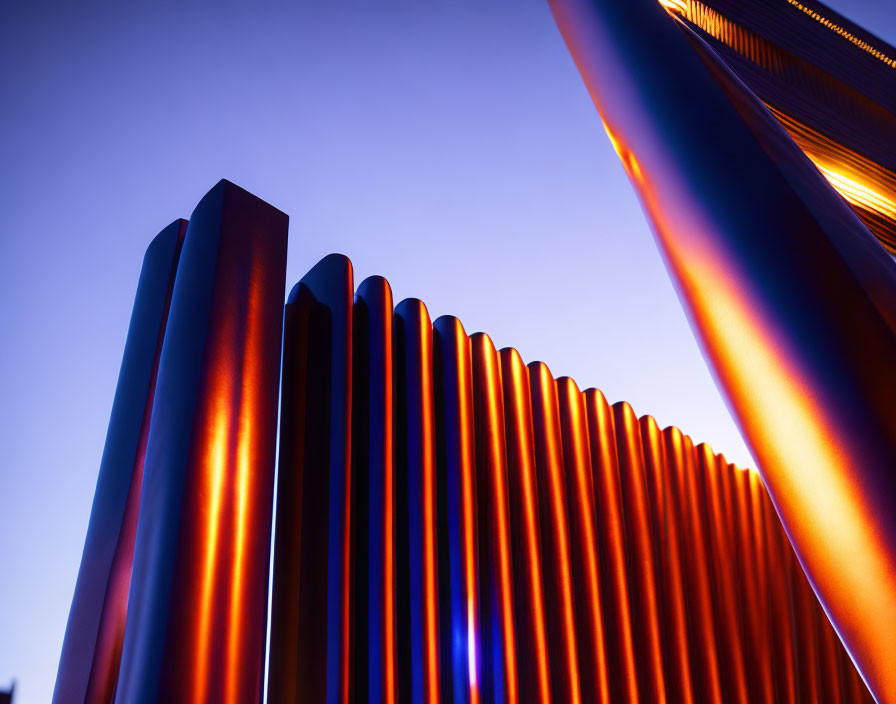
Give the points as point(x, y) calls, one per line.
point(810, 104)
point(455, 526)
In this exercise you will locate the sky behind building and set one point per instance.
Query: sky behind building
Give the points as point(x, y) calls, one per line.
point(451, 147)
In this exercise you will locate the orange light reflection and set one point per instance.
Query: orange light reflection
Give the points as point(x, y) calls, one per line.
point(513, 368)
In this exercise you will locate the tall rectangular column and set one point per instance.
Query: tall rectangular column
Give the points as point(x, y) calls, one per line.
point(198, 600)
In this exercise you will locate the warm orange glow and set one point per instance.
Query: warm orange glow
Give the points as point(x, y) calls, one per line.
point(639, 534)
point(784, 638)
point(515, 374)
point(389, 623)
point(723, 565)
point(468, 508)
point(690, 490)
point(864, 183)
point(857, 192)
point(846, 34)
point(245, 442)
point(678, 6)
point(689, 8)
point(487, 361)
point(430, 587)
point(611, 532)
point(213, 473)
point(667, 536)
point(624, 563)
point(561, 567)
point(756, 633)
point(583, 515)
point(788, 425)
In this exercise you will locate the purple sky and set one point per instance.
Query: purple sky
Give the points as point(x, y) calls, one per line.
point(450, 147)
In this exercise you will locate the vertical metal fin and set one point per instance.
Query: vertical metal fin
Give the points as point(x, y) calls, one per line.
point(642, 559)
point(532, 642)
point(197, 607)
point(552, 498)
point(500, 670)
point(593, 644)
point(415, 460)
point(91, 651)
point(373, 473)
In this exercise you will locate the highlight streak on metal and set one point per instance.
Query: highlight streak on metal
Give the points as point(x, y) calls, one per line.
point(552, 499)
point(759, 667)
point(682, 460)
point(590, 617)
point(784, 635)
point(451, 524)
point(642, 560)
point(807, 655)
point(198, 597)
point(666, 515)
point(791, 297)
point(499, 634)
point(711, 471)
point(532, 643)
point(417, 475)
point(374, 470)
point(611, 533)
point(543, 546)
point(91, 652)
point(310, 633)
point(828, 655)
point(457, 471)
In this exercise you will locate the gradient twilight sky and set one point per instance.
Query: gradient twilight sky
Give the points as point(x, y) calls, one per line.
point(451, 147)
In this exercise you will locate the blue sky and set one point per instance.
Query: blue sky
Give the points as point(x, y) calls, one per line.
point(451, 147)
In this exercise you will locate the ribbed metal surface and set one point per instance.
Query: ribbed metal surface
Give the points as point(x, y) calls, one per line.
point(456, 526)
point(835, 97)
point(791, 297)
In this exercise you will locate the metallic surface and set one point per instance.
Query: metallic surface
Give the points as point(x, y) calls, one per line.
point(791, 297)
point(612, 549)
point(373, 467)
point(500, 671)
point(833, 89)
point(558, 570)
point(91, 652)
point(511, 538)
point(310, 626)
point(198, 600)
point(642, 558)
point(669, 549)
point(591, 633)
point(451, 524)
point(415, 451)
point(529, 590)
point(461, 643)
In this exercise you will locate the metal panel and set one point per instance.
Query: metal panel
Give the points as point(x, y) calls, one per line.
point(198, 600)
point(311, 619)
point(451, 524)
point(542, 546)
point(791, 296)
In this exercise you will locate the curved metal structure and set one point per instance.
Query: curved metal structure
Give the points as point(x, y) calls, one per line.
point(91, 652)
point(198, 600)
point(499, 535)
point(171, 601)
point(790, 295)
point(454, 525)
